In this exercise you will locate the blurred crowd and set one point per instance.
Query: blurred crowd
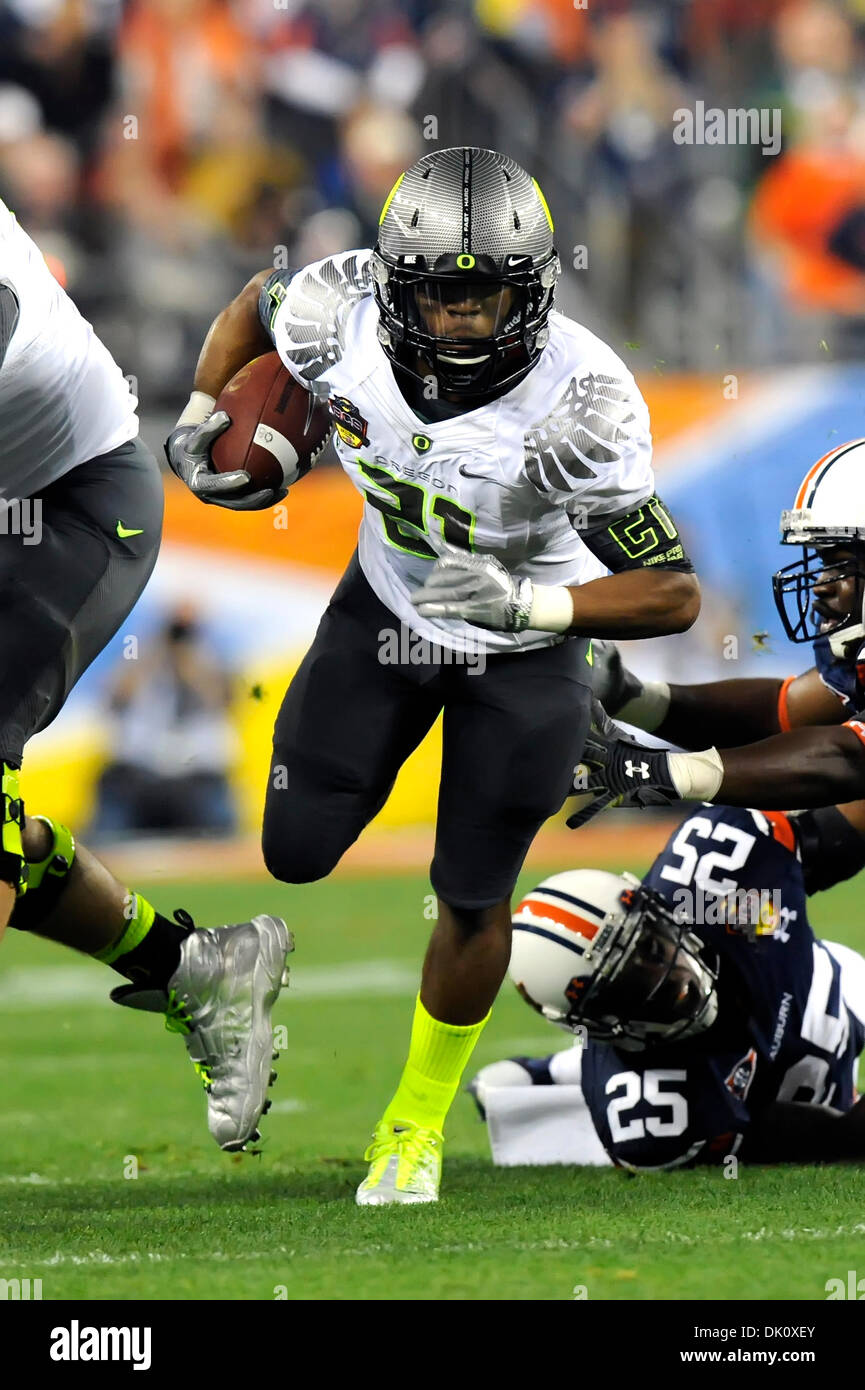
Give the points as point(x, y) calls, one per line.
point(163, 150)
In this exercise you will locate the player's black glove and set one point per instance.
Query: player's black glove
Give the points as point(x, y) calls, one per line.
point(612, 683)
point(188, 452)
point(618, 771)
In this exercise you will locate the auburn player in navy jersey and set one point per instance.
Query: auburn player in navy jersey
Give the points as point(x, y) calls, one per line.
point(781, 757)
point(715, 1022)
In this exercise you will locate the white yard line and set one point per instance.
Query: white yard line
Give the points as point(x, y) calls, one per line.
point(26, 988)
point(98, 1258)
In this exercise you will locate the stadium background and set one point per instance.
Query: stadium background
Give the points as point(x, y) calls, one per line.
point(160, 151)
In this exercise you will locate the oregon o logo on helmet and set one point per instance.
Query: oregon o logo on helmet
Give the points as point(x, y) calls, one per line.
point(490, 215)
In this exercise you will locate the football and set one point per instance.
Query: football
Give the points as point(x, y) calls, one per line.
point(277, 428)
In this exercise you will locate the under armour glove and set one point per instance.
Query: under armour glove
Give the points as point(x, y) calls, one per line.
point(617, 771)
point(613, 684)
point(476, 588)
point(642, 703)
point(187, 449)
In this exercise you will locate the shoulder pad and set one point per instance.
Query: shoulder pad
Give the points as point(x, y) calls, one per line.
point(586, 427)
point(309, 323)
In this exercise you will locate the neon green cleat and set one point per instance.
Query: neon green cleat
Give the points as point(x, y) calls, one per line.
point(405, 1165)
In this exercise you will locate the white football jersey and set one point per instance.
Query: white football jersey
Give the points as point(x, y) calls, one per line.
point(565, 450)
point(63, 399)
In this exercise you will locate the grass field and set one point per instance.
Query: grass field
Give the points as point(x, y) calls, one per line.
point(89, 1087)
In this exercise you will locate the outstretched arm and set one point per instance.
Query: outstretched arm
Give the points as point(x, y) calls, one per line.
point(795, 1133)
point(734, 711)
point(806, 768)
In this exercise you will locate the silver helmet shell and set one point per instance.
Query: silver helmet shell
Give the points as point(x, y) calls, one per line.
point(465, 219)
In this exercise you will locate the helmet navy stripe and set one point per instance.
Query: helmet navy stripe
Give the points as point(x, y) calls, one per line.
point(467, 199)
point(823, 471)
point(550, 935)
point(568, 898)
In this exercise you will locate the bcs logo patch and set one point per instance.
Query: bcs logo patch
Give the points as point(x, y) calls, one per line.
point(350, 424)
point(740, 1078)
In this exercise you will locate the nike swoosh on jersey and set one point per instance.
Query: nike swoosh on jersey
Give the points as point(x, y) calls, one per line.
point(123, 531)
point(484, 477)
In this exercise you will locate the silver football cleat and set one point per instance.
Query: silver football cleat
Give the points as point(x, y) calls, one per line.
point(220, 999)
point(221, 995)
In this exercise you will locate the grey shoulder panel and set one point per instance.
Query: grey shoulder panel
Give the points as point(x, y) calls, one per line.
point(9, 312)
point(586, 427)
point(309, 309)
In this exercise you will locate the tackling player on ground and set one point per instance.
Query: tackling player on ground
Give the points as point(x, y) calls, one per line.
point(716, 1024)
point(504, 457)
point(73, 468)
point(804, 743)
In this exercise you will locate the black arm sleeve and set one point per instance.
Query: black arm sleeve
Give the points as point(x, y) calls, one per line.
point(8, 316)
point(645, 538)
point(831, 848)
point(271, 295)
point(792, 1132)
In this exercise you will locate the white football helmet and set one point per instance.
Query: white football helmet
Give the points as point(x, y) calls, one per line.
point(599, 951)
point(829, 512)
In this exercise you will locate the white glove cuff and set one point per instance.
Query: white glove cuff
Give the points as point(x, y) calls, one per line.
point(696, 776)
point(197, 409)
point(648, 709)
point(552, 608)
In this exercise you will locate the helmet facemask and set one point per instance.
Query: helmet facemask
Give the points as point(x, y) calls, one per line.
point(651, 984)
point(793, 588)
point(470, 323)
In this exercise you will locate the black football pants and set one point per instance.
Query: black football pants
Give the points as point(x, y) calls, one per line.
point(512, 735)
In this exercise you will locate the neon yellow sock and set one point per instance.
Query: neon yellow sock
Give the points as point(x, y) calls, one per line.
point(436, 1060)
point(138, 925)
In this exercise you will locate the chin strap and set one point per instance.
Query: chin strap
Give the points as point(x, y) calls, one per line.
point(841, 642)
point(13, 868)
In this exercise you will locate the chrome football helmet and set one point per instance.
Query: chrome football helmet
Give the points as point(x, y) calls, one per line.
point(602, 952)
point(464, 271)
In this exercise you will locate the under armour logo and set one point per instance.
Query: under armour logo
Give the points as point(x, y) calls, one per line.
point(642, 769)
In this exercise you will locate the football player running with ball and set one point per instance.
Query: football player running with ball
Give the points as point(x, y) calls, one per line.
point(803, 739)
point(80, 524)
point(504, 457)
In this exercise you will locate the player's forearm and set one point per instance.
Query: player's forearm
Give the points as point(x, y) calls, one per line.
point(635, 603)
point(235, 337)
point(736, 711)
point(803, 768)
